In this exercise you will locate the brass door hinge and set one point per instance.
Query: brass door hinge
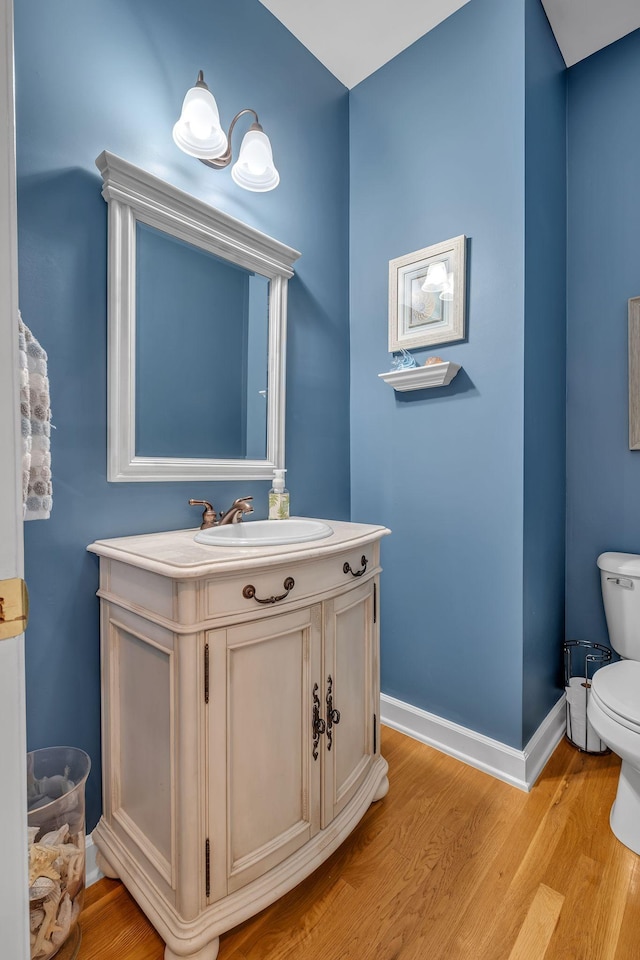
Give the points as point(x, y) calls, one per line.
point(14, 608)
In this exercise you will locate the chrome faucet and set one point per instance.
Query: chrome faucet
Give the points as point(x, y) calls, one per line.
point(232, 515)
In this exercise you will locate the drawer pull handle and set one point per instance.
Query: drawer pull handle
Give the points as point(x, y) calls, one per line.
point(249, 592)
point(333, 715)
point(356, 573)
point(319, 726)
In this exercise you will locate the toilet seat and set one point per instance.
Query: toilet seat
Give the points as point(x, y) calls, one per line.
point(616, 690)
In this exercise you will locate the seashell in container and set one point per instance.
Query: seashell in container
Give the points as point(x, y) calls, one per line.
point(55, 838)
point(40, 889)
point(63, 922)
point(41, 863)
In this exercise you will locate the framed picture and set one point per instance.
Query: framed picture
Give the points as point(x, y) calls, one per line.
point(427, 296)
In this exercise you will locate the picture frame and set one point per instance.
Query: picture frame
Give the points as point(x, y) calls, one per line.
point(427, 296)
point(634, 373)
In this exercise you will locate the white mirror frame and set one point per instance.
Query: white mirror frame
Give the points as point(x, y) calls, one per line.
point(133, 196)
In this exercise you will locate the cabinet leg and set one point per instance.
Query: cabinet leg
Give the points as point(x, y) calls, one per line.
point(383, 789)
point(208, 952)
point(105, 867)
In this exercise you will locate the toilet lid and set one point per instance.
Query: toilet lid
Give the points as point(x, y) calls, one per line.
point(617, 689)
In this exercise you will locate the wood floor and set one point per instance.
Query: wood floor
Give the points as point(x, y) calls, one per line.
point(451, 865)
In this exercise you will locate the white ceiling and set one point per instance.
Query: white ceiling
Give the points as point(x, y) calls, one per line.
point(583, 26)
point(353, 38)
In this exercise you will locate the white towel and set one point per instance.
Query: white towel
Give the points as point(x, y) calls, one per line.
point(35, 415)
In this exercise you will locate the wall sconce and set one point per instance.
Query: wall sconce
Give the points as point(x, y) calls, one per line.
point(198, 133)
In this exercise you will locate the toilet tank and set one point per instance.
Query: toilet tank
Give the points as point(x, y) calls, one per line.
point(620, 581)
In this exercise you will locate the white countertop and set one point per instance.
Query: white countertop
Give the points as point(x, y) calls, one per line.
point(176, 554)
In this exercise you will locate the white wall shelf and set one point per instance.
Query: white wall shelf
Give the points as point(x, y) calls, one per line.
point(419, 378)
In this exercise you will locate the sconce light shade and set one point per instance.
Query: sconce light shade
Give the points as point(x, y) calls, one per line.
point(198, 131)
point(436, 278)
point(254, 168)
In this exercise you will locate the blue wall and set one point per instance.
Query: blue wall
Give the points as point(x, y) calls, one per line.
point(438, 150)
point(544, 368)
point(603, 475)
point(90, 79)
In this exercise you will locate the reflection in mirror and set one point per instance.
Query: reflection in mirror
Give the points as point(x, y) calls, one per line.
point(201, 352)
point(427, 296)
point(197, 336)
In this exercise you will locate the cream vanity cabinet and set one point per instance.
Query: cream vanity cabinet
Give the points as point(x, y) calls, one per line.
point(240, 720)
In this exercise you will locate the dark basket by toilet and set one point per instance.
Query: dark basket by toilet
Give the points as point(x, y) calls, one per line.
point(56, 778)
point(581, 660)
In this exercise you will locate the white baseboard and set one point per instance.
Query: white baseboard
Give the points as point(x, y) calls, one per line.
point(93, 872)
point(520, 768)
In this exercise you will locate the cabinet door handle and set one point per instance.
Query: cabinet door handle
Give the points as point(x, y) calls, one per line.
point(356, 573)
point(319, 726)
point(249, 592)
point(333, 715)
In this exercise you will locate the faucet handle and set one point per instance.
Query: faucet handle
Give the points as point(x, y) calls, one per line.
point(208, 515)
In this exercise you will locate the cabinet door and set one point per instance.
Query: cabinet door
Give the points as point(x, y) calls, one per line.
point(349, 674)
point(263, 677)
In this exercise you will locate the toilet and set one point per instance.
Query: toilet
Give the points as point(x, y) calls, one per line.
point(614, 704)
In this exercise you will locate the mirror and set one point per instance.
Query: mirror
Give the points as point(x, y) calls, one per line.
point(204, 322)
point(196, 336)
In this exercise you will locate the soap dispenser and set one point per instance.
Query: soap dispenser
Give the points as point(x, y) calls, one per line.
point(278, 497)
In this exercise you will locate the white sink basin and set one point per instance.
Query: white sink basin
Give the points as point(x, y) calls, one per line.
point(264, 533)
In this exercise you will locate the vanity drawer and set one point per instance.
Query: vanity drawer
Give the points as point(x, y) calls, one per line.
point(268, 589)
